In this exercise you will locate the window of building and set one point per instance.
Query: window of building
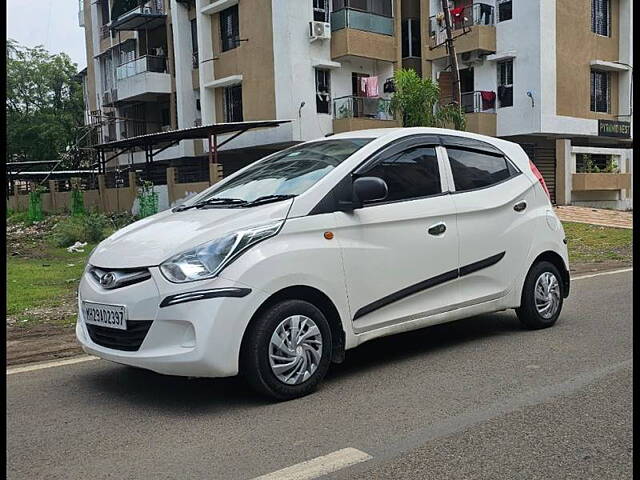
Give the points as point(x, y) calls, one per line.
point(473, 170)
point(321, 10)
point(104, 12)
point(194, 43)
point(229, 28)
point(505, 83)
point(596, 163)
point(600, 17)
point(504, 10)
point(412, 173)
point(410, 37)
point(233, 104)
point(600, 93)
point(323, 90)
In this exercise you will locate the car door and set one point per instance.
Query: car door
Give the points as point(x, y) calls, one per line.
point(491, 197)
point(400, 254)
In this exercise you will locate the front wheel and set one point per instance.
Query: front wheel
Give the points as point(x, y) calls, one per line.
point(542, 296)
point(287, 350)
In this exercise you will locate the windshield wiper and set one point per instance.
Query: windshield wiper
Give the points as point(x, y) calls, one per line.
point(266, 199)
point(211, 201)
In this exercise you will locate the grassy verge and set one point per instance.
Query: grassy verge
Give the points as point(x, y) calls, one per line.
point(596, 244)
point(42, 290)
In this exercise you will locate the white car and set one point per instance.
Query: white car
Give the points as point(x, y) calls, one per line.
point(277, 270)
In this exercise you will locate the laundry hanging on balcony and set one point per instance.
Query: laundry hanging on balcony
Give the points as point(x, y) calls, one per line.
point(488, 99)
point(457, 16)
point(369, 85)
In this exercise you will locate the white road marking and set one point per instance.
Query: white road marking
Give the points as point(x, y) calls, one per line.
point(57, 363)
point(319, 466)
point(71, 361)
point(622, 270)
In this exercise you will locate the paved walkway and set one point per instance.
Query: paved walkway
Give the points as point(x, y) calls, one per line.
point(595, 216)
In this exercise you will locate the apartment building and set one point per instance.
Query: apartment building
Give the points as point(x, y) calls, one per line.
point(171, 64)
point(553, 76)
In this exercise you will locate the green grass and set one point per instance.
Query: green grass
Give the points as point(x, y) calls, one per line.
point(595, 244)
point(42, 290)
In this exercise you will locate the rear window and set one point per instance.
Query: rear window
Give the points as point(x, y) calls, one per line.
point(473, 170)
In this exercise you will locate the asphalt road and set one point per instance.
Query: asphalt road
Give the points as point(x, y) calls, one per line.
point(479, 398)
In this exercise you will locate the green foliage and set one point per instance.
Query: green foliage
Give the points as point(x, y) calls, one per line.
point(91, 228)
point(148, 200)
point(44, 104)
point(77, 203)
point(416, 101)
point(585, 164)
point(35, 213)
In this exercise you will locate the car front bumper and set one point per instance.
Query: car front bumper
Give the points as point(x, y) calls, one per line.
point(199, 335)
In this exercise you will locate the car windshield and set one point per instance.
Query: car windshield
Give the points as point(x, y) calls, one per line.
point(287, 173)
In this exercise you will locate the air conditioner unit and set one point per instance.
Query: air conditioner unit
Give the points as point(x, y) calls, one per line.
point(319, 31)
point(472, 57)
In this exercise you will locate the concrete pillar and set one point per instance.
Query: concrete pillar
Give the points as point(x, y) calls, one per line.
point(171, 182)
point(564, 169)
point(215, 173)
point(52, 195)
point(205, 56)
point(102, 188)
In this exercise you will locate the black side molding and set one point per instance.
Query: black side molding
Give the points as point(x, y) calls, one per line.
point(202, 294)
point(429, 283)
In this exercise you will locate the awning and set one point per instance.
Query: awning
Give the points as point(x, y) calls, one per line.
point(163, 140)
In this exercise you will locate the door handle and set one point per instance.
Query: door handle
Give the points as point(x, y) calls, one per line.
point(520, 206)
point(437, 229)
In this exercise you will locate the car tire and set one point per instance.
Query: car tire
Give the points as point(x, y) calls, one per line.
point(541, 311)
point(266, 366)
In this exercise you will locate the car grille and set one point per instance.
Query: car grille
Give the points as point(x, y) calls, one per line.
point(128, 340)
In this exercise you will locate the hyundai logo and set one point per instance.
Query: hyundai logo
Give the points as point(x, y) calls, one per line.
point(108, 280)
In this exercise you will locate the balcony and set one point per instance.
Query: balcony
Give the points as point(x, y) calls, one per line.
point(147, 16)
point(81, 13)
point(143, 79)
point(474, 30)
point(362, 34)
point(360, 113)
point(479, 109)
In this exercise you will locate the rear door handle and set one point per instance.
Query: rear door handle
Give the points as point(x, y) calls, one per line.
point(520, 206)
point(437, 229)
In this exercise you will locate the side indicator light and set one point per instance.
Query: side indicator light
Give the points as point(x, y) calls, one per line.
point(328, 235)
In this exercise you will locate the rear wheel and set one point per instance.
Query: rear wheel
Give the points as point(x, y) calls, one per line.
point(542, 296)
point(287, 350)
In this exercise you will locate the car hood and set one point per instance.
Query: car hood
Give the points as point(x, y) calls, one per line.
point(152, 240)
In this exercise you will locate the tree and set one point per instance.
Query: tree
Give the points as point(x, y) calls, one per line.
point(416, 101)
point(44, 103)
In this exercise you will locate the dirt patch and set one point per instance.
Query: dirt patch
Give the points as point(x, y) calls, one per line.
point(584, 268)
point(40, 343)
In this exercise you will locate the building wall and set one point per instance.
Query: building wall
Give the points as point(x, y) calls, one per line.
point(577, 45)
point(253, 59)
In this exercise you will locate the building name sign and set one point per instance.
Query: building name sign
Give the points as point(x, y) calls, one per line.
point(612, 128)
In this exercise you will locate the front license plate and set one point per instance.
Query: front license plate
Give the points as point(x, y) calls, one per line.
point(111, 316)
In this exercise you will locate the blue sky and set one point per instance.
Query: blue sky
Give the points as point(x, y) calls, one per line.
point(51, 23)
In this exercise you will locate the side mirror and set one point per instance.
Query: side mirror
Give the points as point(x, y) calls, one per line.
point(368, 189)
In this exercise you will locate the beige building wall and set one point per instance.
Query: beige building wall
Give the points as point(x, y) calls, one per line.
point(253, 59)
point(577, 46)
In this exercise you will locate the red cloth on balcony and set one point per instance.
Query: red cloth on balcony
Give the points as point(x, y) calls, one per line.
point(456, 12)
point(488, 99)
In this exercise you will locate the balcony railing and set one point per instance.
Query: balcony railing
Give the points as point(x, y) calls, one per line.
point(152, 7)
point(474, 102)
point(475, 14)
point(360, 20)
point(147, 63)
point(147, 16)
point(362, 107)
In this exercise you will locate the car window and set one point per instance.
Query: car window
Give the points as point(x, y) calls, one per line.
point(473, 170)
point(412, 173)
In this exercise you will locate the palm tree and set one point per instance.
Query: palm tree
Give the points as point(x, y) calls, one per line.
point(416, 101)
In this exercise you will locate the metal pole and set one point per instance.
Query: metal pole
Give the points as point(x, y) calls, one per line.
point(452, 52)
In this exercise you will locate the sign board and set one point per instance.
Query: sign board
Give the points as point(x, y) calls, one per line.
point(613, 128)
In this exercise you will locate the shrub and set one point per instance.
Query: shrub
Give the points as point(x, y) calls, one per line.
point(91, 228)
point(77, 203)
point(35, 206)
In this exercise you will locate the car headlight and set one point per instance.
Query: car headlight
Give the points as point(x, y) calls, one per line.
point(207, 260)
